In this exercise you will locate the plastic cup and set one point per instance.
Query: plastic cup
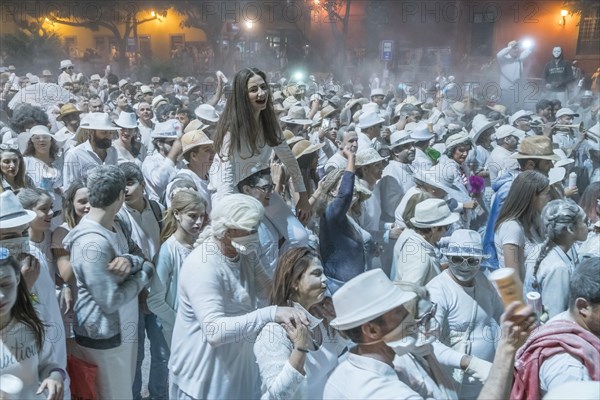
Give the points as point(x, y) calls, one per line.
point(10, 386)
point(509, 286)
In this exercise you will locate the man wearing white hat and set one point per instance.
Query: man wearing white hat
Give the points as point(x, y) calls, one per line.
point(522, 121)
point(378, 98)
point(160, 167)
point(507, 140)
point(468, 306)
point(564, 138)
point(46, 76)
point(97, 150)
point(422, 137)
point(198, 152)
point(370, 124)
point(400, 167)
point(378, 317)
point(66, 66)
point(415, 260)
point(14, 224)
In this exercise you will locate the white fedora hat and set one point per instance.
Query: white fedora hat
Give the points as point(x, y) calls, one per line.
point(370, 108)
point(145, 89)
point(399, 138)
point(518, 115)
point(12, 213)
point(480, 124)
point(369, 119)
point(366, 297)
point(126, 120)
point(157, 100)
point(95, 77)
point(566, 111)
point(207, 112)
point(97, 121)
point(564, 160)
point(556, 174)
point(420, 132)
point(377, 92)
point(289, 102)
point(170, 129)
point(459, 138)
point(66, 64)
point(506, 131)
point(297, 115)
point(466, 243)
point(39, 130)
point(433, 212)
point(368, 156)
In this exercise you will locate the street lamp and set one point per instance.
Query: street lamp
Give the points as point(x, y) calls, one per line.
point(249, 24)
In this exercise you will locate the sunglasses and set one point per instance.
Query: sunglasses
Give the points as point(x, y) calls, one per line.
point(9, 146)
point(266, 188)
point(472, 261)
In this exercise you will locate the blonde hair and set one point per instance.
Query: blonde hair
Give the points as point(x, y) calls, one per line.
point(183, 200)
point(234, 211)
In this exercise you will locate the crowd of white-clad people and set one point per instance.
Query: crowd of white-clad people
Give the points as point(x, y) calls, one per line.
point(296, 240)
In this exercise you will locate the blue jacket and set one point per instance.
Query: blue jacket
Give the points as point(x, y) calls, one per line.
point(501, 188)
point(342, 248)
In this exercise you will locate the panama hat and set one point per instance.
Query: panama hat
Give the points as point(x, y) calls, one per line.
point(170, 129)
point(369, 119)
point(398, 138)
point(506, 131)
point(207, 112)
point(296, 115)
point(126, 120)
point(480, 124)
point(566, 111)
point(39, 130)
point(458, 138)
point(66, 64)
point(290, 138)
point(536, 147)
point(195, 125)
point(98, 121)
point(433, 212)
point(191, 140)
point(368, 156)
point(304, 147)
point(518, 115)
point(466, 243)
point(366, 297)
point(12, 212)
point(420, 132)
point(67, 109)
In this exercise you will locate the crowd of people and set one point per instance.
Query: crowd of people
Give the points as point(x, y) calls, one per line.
point(280, 239)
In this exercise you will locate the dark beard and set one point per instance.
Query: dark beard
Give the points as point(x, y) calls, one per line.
point(102, 143)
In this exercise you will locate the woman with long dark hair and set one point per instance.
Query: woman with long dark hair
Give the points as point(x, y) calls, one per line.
point(247, 133)
point(295, 360)
point(12, 169)
point(21, 328)
point(518, 225)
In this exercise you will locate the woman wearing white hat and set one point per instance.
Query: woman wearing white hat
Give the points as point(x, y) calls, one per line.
point(128, 145)
point(453, 171)
point(415, 258)
point(44, 162)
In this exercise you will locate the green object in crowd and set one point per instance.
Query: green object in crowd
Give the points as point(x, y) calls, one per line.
point(433, 154)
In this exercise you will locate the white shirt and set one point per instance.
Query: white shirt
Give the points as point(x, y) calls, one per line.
point(80, 159)
point(422, 161)
point(500, 160)
point(216, 325)
point(158, 171)
point(454, 313)
point(145, 230)
point(335, 161)
point(201, 185)
point(403, 173)
point(359, 377)
point(553, 277)
point(511, 68)
point(282, 381)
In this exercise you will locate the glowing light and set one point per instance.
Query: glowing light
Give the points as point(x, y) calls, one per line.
point(153, 14)
point(298, 76)
point(564, 13)
point(527, 43)
point(249, 24)
point(47, 20)
point(317, 2)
